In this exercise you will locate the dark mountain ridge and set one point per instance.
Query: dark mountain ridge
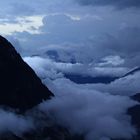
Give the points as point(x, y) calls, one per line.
point(20, 88)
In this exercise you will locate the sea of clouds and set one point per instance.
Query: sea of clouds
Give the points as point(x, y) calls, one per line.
point(97, 111)
point(79, 37)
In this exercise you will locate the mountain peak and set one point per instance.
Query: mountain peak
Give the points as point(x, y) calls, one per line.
point(20, 88)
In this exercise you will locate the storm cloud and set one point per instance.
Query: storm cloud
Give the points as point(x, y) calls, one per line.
point(118, 3)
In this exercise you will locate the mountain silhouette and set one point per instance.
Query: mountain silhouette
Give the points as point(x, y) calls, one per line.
point(20, 88)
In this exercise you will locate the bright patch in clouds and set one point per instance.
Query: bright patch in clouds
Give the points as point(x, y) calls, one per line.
point(112, 60)
point(29, 24)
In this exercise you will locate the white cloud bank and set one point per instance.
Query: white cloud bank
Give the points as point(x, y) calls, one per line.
point(88, 112)
point(43, 67)
point(97, 111)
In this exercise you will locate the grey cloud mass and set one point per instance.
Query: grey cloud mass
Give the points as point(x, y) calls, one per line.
point(84, 37)
point(115, 3)
point(89, 112)
point(13, 123)
point(87, 108)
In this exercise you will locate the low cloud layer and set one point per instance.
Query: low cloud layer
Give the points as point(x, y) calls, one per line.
point(16, 124)
point(97, 111)
point(87, 109)
point(124, 86)
point(49, 69)
point(46, 67)
point(91, 113)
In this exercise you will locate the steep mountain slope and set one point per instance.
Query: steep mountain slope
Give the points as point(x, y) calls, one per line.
point(20, 88)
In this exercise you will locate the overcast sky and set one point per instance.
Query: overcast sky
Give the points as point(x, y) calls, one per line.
point(92, 30)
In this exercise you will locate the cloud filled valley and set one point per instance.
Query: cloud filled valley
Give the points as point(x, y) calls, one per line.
point(96, 111)
point(86, 52)
point(87, 108)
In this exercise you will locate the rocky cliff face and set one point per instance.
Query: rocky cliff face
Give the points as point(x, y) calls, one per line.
point(20, 88)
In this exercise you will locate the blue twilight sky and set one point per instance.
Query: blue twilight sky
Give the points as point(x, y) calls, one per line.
point(104, 33)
